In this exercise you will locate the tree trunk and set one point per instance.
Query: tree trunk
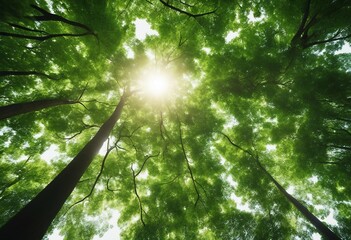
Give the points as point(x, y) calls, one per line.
point(34, 219)
point(26, 107)
point(321, 227)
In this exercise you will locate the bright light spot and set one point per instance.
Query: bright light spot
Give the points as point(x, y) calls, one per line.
point(313, 179)
point(271, 147)
point(239, 204)
point(206, 50)
point(129, 52)
point(156, 84)
point(254, 19)
point(316, 236)
point(104, 146)
point(291, 190)
point(143, 29)
point(330, 218)
point(150, 55)
point(50, 153)
point(231, 35)
point(346, 48)
point(231, 182)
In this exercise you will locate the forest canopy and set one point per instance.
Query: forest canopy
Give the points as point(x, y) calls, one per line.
point(175, 119)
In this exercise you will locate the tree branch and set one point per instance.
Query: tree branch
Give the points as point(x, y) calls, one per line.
point(17, 179)
point(26, 28)
point(187, 162)
point(43, 38)
point(26, 73)
point(184, 12)
point(109, 149)
point(137, 195)
point(332, 39)
point(47, 16)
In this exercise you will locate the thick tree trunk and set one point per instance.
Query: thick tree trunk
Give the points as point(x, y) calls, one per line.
point(321, 227)
point(26, 107)
point(35, 218)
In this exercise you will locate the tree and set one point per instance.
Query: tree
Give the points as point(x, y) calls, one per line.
point(268, 74)
point(45, 206)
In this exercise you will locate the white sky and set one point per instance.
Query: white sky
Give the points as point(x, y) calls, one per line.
point(143, 29)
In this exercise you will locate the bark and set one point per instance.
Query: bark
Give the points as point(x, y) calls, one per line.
point(321, 227)
point(35, 218)
point(26, 107)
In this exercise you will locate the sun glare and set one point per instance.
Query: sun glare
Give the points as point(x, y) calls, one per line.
point(156, 84)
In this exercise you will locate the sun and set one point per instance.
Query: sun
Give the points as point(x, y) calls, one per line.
point(156, 84)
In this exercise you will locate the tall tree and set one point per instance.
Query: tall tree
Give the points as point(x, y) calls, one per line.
point(44, 207)
point(324, 230)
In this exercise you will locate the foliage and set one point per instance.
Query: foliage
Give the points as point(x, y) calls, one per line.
point(278, 87)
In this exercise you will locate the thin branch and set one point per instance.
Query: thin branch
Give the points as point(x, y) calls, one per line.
point(340, 147)
point(47, 16)
point(25, 73)
point(187, 162)
point(26, 28)
point(145, 160)
point(137, 195)
point(43, 38)
point(303, 22)
point(185, 12)
point(235, 145)
point(135, 185)
point(125, 9)
point(332, 39)
point(109, 149)
point(81, 95)
point(170, 181)
point(342, 130)
point(17, 179)
point(108, 187)
point(86, 127)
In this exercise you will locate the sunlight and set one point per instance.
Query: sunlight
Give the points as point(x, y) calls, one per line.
point(156, 84)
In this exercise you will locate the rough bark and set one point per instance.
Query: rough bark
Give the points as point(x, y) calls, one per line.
point(26, 107)
point(35, 218)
